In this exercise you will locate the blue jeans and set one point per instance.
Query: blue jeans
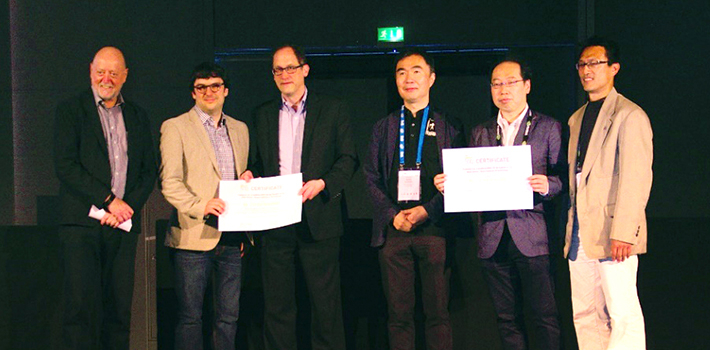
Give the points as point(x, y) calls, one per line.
point(192, 273)
point(576, 241)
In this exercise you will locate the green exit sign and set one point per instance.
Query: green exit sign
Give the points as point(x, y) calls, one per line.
point(390, 34)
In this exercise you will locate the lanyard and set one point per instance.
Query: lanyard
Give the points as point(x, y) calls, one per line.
point(528, 122)
point(421, 137)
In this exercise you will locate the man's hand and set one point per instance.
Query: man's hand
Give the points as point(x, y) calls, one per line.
point(401, 223)
point(439, 182)
point(215, 206)
point(246, 176)
point(109, 220)
point(311, 189)
point(416, 215)
point(120, 209)
point(539, 184)
point(620, 251)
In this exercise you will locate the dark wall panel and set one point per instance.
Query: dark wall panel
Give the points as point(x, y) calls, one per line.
point(52, 46)
point(664, 70)
point(241, 24)
point(6, 159)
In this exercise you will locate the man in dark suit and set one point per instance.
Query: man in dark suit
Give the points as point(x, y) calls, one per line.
point(104, 158)
point(311, 134)
point(412, 229)
point(513, 245)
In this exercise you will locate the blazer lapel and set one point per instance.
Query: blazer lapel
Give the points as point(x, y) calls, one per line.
point(313, 112)
point(130, 122)
point(523, 124)
point(204, 140)
point(492, 132)
point(575, 126)
point(440, 129)
point(237, 145)
point(391, 142)
point(272, 133)
point(95, 122)
point(601, 129)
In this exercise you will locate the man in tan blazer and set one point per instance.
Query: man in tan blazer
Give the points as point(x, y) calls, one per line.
point(610, 158)
point(200, 148)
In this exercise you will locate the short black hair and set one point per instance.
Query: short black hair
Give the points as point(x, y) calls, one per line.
point(297, 50)
point(525, 71)
point(428, 59)
point(611, 48)
point(206, 70)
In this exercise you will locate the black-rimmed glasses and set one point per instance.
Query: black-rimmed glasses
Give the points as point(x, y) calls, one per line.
point(213, 87)
point(591, 64)
point(289, 69)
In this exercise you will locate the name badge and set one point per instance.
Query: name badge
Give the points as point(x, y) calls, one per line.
point(409, 185)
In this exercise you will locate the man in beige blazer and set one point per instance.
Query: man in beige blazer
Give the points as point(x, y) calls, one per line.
point(610, 158)
point(200, 148)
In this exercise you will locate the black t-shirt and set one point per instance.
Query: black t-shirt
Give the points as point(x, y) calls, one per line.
point(585, 133)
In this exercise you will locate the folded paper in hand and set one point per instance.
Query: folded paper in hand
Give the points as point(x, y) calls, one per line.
point(98, 214)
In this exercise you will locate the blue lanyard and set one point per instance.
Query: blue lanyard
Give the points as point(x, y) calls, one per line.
point(422, 131)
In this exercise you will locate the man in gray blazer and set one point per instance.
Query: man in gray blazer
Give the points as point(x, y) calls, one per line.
point(610, 158)
point(200, 148)
point(513, 245)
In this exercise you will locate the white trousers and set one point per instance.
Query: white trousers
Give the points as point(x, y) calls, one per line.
point(605, 303)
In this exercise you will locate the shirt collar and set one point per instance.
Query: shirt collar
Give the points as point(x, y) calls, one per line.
point(301, 105)
point(207, 119)
point(417, 114)
point(516, 123)
point(100, 102)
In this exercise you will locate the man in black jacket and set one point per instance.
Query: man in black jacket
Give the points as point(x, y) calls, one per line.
point(105, 163)
point(304, 132)
point(409, 223)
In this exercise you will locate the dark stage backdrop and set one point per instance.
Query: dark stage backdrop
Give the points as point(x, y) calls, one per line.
point(664, 70)
point(240, 24)
point(7, 195)
point(45, 48)
point(48, 46)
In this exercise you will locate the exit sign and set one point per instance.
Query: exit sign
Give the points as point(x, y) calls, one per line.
point(390, 34)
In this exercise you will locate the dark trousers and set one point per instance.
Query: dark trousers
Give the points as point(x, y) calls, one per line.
point(99, 264)
point(397, 258)
point(514, 278)
point(321, 271)
point(193, 270)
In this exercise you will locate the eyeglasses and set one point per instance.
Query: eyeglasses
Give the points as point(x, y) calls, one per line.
point(591, 64)
point(112, 74)
point(213, 87)
point(507, 84)
point(289, 69)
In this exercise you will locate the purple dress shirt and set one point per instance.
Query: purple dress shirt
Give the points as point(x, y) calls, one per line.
point(291, 123)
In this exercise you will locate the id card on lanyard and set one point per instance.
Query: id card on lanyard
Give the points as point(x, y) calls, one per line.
point(409, 181)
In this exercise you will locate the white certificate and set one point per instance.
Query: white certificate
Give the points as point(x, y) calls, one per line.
point(261, 204)
point(487, 179)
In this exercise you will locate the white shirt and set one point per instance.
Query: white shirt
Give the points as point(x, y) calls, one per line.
point(510, 130)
